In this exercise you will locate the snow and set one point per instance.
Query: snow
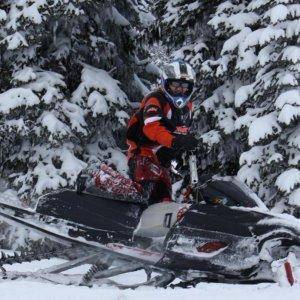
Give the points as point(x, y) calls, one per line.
point(288, 180)
point(292, 28)
point(50, 177)
point(71, 166)
point(294, 10)
point(294, 197)
point(143, 10)
point(242, 94)
point(118, 159)
point(24, 289)
point(263, 127)
point(49, 84)
point(247, 60)
point(14, 41)
point(17, 125)
point(31, 12)
point(47, 178)
point(10, 197)
point(287, 78)
point(277, 13)
point(193, 6)
point(294, 158)
point(3, 15)
point(53, 125)
point(76, 116)
point(212, 137)
point(73, 10)
point(262, 37)
point(122, 116)
point(140, 85)
point(226, 119)
point(100, 80)
point(276, 157)
point(251, 156)
point(17, 97)
point(291, 53)
point(288, 114)
point(25, 75)
point(33, 289)
point(244, 121)
point(264, 55)
point(249, 174)
point(233, 42)
point(97, 103)
point(236, 22)
point(294, 138)
point(289, 97)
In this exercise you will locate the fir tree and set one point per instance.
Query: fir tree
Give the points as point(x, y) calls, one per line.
point(59, 103)
point(259, 65)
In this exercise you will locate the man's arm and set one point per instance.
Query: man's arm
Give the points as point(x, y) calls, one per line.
point(153, 127)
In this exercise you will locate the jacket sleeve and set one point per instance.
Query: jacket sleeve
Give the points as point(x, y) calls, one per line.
point(153, 127)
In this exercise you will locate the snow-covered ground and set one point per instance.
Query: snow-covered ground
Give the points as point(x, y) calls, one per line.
point(29, 289)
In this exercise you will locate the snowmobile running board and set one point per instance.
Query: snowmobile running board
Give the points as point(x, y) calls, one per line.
point(117, 250)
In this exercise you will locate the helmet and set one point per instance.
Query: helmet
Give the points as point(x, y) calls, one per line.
point(182, 74)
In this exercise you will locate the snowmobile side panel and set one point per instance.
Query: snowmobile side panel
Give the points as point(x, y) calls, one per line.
point(220, 218)
point(108, 220)
point(36, 222)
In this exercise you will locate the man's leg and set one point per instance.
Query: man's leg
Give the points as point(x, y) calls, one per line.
point(154, 179)
point(160, 193)
point(135, 165)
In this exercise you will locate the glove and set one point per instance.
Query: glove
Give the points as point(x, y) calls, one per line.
point(165, 156)
point(184, 142)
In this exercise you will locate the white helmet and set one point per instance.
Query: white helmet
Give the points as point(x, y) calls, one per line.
point(179, 73)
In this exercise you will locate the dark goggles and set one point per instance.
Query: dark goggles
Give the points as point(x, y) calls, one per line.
point(179, 84)
point(176, 84)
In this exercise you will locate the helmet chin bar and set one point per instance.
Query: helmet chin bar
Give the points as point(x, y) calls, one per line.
point(180, 102)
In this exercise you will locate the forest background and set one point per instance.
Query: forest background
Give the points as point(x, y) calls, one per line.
point(73, 71)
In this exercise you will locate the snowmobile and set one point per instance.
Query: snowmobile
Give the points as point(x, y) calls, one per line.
point(227, 235)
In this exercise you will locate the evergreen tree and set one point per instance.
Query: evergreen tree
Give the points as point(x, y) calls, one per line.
point(59, 103)
point(259, 65)
point(182, 28)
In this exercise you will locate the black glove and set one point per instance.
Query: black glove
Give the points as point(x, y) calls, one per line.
point(185, 142)
point(165, 156)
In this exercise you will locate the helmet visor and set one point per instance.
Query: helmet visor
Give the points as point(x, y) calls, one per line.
point(179, 88)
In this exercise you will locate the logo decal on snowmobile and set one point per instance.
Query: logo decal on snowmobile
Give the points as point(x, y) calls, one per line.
point(167, 220)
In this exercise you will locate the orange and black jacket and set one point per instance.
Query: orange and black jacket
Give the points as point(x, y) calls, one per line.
point(155, 125)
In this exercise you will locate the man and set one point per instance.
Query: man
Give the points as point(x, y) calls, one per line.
point(159, 131)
